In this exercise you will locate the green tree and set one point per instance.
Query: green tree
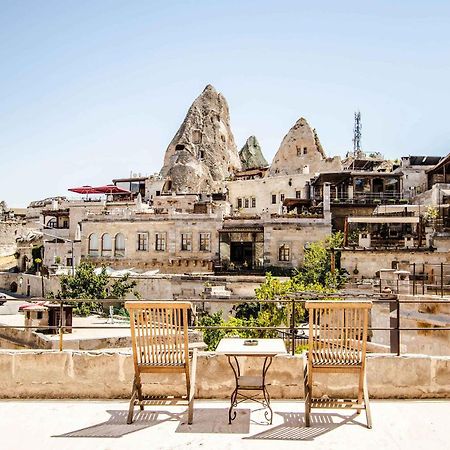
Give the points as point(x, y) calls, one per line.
point(86, 284)
point(316, 268)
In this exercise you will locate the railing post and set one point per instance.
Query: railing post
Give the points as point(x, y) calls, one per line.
point(423, 278)
point(394, 325)
point(293, 326)
point(61, 311)
point(414, 278)
point(442, 279)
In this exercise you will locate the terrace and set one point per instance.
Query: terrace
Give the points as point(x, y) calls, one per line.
point(98, 424)
point(106, 375)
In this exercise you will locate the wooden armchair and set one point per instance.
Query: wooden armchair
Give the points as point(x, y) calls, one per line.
point(159, 335)
point(337, 343)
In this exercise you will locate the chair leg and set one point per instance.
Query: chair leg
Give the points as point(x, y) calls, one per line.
point(139, 392)
point(190, 386)
point(306, 383)
point(132, 401)
point(360, 389)
point(366, 403)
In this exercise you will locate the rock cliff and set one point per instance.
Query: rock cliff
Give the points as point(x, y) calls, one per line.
point(301, 152)
point(202, 153)
point(251, 155)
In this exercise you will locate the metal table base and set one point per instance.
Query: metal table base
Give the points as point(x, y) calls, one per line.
point(249, 383)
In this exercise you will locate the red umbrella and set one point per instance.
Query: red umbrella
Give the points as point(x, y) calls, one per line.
point(111, 189)
point(85, 190)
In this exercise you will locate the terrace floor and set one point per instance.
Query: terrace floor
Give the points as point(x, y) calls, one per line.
point(67, 424)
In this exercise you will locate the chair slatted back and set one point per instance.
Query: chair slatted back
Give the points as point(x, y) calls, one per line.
point(338, 332)
point(159, 333)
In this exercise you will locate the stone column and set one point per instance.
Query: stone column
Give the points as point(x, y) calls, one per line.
point(350, 192)
point(326, 197)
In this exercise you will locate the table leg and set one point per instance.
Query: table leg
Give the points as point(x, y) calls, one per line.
point(237, 373)
point(267, 414)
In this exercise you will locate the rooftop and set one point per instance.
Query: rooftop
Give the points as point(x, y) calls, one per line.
point(102, 424)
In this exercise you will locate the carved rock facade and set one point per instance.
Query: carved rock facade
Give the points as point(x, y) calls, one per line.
point(202, 153)
point(301, 152)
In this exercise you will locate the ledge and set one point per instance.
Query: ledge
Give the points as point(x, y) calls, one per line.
point(48, 374)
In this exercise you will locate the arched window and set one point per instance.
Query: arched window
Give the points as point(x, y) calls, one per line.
point(93, 245)
point(106, 245)
point(119, 245)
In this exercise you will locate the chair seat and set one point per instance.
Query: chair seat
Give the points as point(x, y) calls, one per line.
point(174, 364)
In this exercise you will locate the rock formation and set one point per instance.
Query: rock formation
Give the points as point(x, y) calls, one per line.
point(202, 153)
point(251, 155)
point(301, 152)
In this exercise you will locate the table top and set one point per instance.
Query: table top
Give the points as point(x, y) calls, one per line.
point(265, 347)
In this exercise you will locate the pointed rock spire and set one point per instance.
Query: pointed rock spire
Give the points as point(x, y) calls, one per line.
point(301, 152)
point(202, 153)
point(251, 155)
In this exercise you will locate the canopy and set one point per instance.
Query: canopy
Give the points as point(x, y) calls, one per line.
point(85, 190)
point(108, 189)
point(112, 189)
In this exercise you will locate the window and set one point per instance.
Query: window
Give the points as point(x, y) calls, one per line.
point(179, 147)
point(281, 197)
point(186, 242)
point(142, 242)
point(284, 253)
point(160, 242)
point(253, 202)
point(68, 262)
point(305, 150)
point(119, 247)
point(239, 204)
point(274, 199)
point(66, 223)
point(298, 194)
point(205, 242)
point(196, 137)
point(106, 245)
point(201, 154)
point(299, 151)
point(246, 202)
point(93, 245)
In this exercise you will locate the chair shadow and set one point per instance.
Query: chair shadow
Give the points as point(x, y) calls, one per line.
point(116, 426)
point(215, 420)
point(294, 429)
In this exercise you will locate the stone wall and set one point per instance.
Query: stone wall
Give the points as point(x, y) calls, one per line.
point(368, 262)
point(70, 374)
point(151, 288)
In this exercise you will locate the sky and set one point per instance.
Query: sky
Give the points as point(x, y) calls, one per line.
point(92, 90)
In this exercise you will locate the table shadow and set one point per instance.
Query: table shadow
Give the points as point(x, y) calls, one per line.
point(215, 420)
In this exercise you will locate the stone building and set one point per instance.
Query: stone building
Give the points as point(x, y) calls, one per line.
point(212, 208)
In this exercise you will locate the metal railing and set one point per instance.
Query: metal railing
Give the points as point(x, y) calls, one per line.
point(293, 333)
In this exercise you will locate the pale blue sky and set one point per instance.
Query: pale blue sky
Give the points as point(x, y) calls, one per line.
point(91, 90)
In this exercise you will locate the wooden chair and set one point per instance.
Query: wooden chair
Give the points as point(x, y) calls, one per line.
point(159, 335)
point(337, 343)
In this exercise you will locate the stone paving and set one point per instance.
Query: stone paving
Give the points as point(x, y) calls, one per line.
point(102, 425)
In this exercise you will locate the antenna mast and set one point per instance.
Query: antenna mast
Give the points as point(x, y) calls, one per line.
point(357, 135)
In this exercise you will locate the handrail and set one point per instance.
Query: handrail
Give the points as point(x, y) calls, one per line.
point(291, 331)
